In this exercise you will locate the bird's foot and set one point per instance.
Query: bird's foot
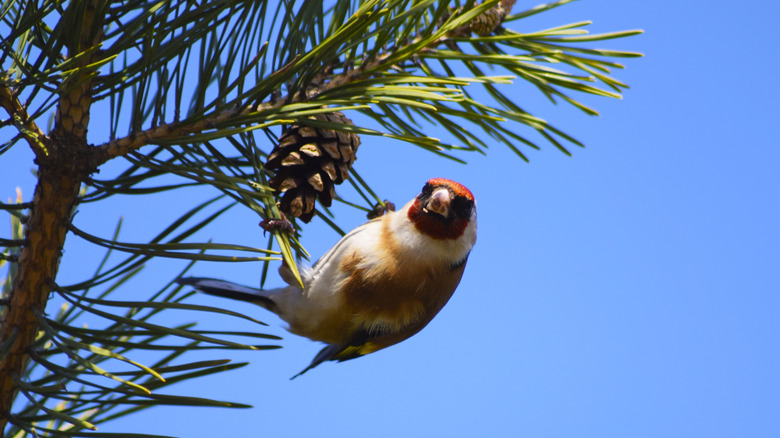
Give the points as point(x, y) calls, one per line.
point(380, 210)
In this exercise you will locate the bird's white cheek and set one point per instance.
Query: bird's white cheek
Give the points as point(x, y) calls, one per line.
point(470, 234)
point(418, 246)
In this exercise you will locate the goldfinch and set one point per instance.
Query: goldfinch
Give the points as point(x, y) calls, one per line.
point(381, 283)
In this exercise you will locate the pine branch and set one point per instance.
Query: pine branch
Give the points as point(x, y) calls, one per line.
point(21, 119)
point(136, 140)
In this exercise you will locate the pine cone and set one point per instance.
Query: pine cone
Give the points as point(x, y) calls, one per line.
point(489, 20)
point(309, 162)
point(485, 23)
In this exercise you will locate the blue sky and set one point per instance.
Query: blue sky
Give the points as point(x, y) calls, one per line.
point(631, 290)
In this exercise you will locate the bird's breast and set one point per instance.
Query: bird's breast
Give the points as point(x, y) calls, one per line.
point(390, 294)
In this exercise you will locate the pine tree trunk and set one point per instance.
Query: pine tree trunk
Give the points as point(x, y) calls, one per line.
point(64, 161)
point(59, 179)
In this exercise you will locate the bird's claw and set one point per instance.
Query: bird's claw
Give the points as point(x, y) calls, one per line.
point(277, 225)
point(379, 210)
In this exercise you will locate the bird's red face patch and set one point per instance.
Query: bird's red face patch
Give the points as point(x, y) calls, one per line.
point(452, 226)
point(457, 188)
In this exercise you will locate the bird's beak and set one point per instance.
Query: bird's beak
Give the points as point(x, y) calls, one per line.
point(440, 202)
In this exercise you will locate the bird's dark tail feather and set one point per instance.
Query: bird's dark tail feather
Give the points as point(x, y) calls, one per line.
point(327, 353)
point(226, 289)
point(351, 350)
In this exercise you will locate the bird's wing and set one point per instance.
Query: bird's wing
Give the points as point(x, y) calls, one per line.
point(350, 240)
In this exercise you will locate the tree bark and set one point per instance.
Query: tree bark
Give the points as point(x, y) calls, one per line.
point(64, 161)
point(55, 196)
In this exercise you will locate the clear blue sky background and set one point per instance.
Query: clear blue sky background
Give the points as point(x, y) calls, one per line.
point(629, 291)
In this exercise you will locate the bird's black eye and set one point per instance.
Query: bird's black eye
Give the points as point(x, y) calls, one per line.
point(461, 207)
point(425, 193)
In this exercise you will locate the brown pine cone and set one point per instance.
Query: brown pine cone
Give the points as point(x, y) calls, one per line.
point(309, 162)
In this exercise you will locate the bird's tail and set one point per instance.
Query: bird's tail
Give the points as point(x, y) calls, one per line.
point(359, 345)
point(234, 291)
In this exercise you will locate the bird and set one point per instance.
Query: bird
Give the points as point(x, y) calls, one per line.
point(382, 283)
